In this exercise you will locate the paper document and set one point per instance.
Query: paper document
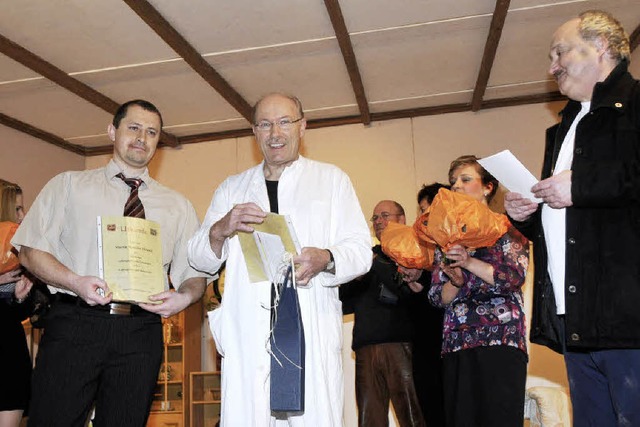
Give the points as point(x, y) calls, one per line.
point(264, 249)
point(130, 257)
point(511, 173)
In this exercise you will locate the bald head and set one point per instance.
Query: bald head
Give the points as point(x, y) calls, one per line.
point(386, 211)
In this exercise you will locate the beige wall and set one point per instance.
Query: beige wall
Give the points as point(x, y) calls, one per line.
point(30, 163)
point(386, 160)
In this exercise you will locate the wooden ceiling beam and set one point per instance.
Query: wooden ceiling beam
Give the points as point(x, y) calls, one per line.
point(182, 47)
point(62, 79)
point(344, 41)
point(634, 38)
point(312, 124)
point(41, 134)
point(490, 48)
point(56, 75)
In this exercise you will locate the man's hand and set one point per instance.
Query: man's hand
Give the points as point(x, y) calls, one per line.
point(518, 207)
point(191, 290)
point(170, 303)
point(415, 286)
point(309, 263)
point(411, 276)
point(555, 190)
point(237, 219)
point(93, 290)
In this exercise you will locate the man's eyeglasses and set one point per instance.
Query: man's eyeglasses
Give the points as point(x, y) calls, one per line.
point(383, 215)
point(283, 124)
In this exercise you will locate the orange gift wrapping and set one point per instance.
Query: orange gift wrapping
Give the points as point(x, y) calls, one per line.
point(455, 218)
point(8, 258)
point(400, 243)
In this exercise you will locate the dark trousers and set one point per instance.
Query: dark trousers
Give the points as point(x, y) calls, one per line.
point(605, 387)
point(384, 373)
point(484, 387)
point(88, 356)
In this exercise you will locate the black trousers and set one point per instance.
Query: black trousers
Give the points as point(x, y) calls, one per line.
point(88, 356)
point(384, 373)
point(485, 387)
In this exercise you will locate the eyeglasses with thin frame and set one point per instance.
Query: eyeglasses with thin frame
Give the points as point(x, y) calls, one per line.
point(383, 215)
point(283, 124)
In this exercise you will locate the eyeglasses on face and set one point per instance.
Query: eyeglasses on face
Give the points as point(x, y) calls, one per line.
point(283, 124)
point(383, 215)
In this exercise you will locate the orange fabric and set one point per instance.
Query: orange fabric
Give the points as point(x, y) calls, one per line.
point(455, 218)
point(400, 243)
point(8, 258)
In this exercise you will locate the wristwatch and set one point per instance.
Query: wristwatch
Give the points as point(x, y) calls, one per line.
point(331, 265)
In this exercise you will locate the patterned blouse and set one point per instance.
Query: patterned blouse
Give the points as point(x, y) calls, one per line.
point(482, 314)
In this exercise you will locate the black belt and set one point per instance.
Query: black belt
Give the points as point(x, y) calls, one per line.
point(114, 308)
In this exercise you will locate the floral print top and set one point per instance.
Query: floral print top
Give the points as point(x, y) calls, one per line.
point(482, 314)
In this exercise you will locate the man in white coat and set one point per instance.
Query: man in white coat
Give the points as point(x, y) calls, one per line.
point(336, 247)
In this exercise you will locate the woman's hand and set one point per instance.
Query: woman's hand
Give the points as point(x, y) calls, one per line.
point(23, 287)
point(455, 275)
point(458, 256)
point(10, 276)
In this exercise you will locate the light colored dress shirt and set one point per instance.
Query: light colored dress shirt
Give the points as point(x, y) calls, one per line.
point(62, 220)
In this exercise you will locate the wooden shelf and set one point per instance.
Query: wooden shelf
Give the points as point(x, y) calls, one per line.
point(183, 357)
point(205, 395)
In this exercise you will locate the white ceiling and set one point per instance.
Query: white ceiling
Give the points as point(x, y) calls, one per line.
point(411, 54)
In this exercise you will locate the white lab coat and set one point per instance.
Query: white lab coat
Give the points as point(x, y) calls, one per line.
point(324, 209)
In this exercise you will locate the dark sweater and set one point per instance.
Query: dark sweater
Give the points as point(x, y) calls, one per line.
point(377, 322)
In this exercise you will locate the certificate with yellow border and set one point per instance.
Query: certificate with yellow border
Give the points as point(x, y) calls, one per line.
point(130, 257)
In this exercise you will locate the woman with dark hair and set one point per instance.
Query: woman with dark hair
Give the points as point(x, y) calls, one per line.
point(484, 344)
point(14, 353)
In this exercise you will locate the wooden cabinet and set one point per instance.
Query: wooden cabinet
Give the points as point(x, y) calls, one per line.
point(182, 337)
point(205, 396)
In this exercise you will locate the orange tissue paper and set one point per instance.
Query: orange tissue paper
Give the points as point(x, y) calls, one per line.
point(8, 257)
point(400, 243)
point(455, 218)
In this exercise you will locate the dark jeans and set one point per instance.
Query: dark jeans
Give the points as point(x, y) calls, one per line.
point(89, 356)
point(605, 387)
point(384, 373)
point(485, 387)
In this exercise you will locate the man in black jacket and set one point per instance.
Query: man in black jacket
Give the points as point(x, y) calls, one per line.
point(586, 233)
point(382, 333)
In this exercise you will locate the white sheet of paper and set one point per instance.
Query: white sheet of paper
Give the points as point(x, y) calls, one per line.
point(271, 251)
point(511, 173)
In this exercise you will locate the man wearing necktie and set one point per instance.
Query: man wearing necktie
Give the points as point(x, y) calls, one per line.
point(95, 350)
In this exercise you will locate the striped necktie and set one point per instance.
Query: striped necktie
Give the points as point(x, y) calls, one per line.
point(133, 207)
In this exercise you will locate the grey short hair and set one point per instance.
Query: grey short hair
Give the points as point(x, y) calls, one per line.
point(598, 23)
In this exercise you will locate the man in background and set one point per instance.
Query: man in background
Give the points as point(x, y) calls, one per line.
point(383, 332)
point(585, 234)
point(330, 226)
point(96, 349)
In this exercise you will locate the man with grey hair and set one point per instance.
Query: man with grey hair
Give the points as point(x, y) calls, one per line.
point(587, 262)
point(328, 221)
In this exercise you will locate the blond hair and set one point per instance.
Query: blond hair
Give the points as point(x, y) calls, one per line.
point(598, 23)
point(8, 193)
